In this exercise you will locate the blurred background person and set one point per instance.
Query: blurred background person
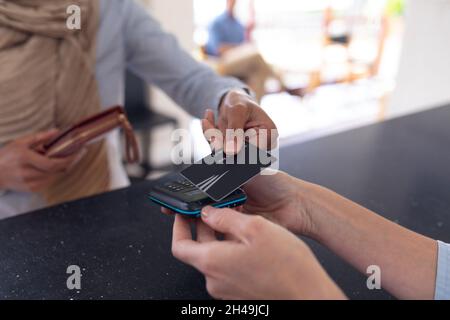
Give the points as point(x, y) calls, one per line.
point(342, 54)
point(226, 32)
point(229, 40)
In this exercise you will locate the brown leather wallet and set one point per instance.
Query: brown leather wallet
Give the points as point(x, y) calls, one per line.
point(90, 130)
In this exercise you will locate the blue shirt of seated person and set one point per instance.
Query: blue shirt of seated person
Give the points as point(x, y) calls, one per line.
point(224, 30)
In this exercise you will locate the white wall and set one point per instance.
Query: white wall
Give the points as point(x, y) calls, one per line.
point(424, 72)
point(177, 17)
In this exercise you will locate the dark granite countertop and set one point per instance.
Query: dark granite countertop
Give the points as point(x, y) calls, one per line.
point(399, 168)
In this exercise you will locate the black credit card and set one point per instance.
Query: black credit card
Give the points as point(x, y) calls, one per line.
point(219, 174)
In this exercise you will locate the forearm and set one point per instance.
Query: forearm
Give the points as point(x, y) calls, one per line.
point(407, 260)
point(157, 57)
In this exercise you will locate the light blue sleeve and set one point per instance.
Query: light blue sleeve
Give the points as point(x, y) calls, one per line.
point(443, 272)
point(214, 40)
point(157, 57)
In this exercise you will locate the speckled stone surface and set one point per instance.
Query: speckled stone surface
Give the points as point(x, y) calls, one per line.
point(399, 169)
point(120, 241)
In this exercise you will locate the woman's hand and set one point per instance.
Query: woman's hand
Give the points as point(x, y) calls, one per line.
point(281, 199)
point(258, 259)
point(277, 197)
point(24, 169)
point(238, 111)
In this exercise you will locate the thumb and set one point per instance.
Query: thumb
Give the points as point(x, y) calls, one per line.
point(37, 138)
point(226, 221)
point(237, 119)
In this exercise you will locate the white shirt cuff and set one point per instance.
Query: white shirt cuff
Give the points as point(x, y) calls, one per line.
point(442, 291)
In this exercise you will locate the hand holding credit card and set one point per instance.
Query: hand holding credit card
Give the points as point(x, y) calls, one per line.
point(219, 174)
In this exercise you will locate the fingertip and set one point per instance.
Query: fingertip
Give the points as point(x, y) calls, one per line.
point(209, 212)
point(167, 211)
point(50, 133)
point(181, 229)
point(239, 145)
point(206, 211)
point(205, 124)
point(210, 116)
point(224, 220)
point(233, 146)
point(216, 145)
